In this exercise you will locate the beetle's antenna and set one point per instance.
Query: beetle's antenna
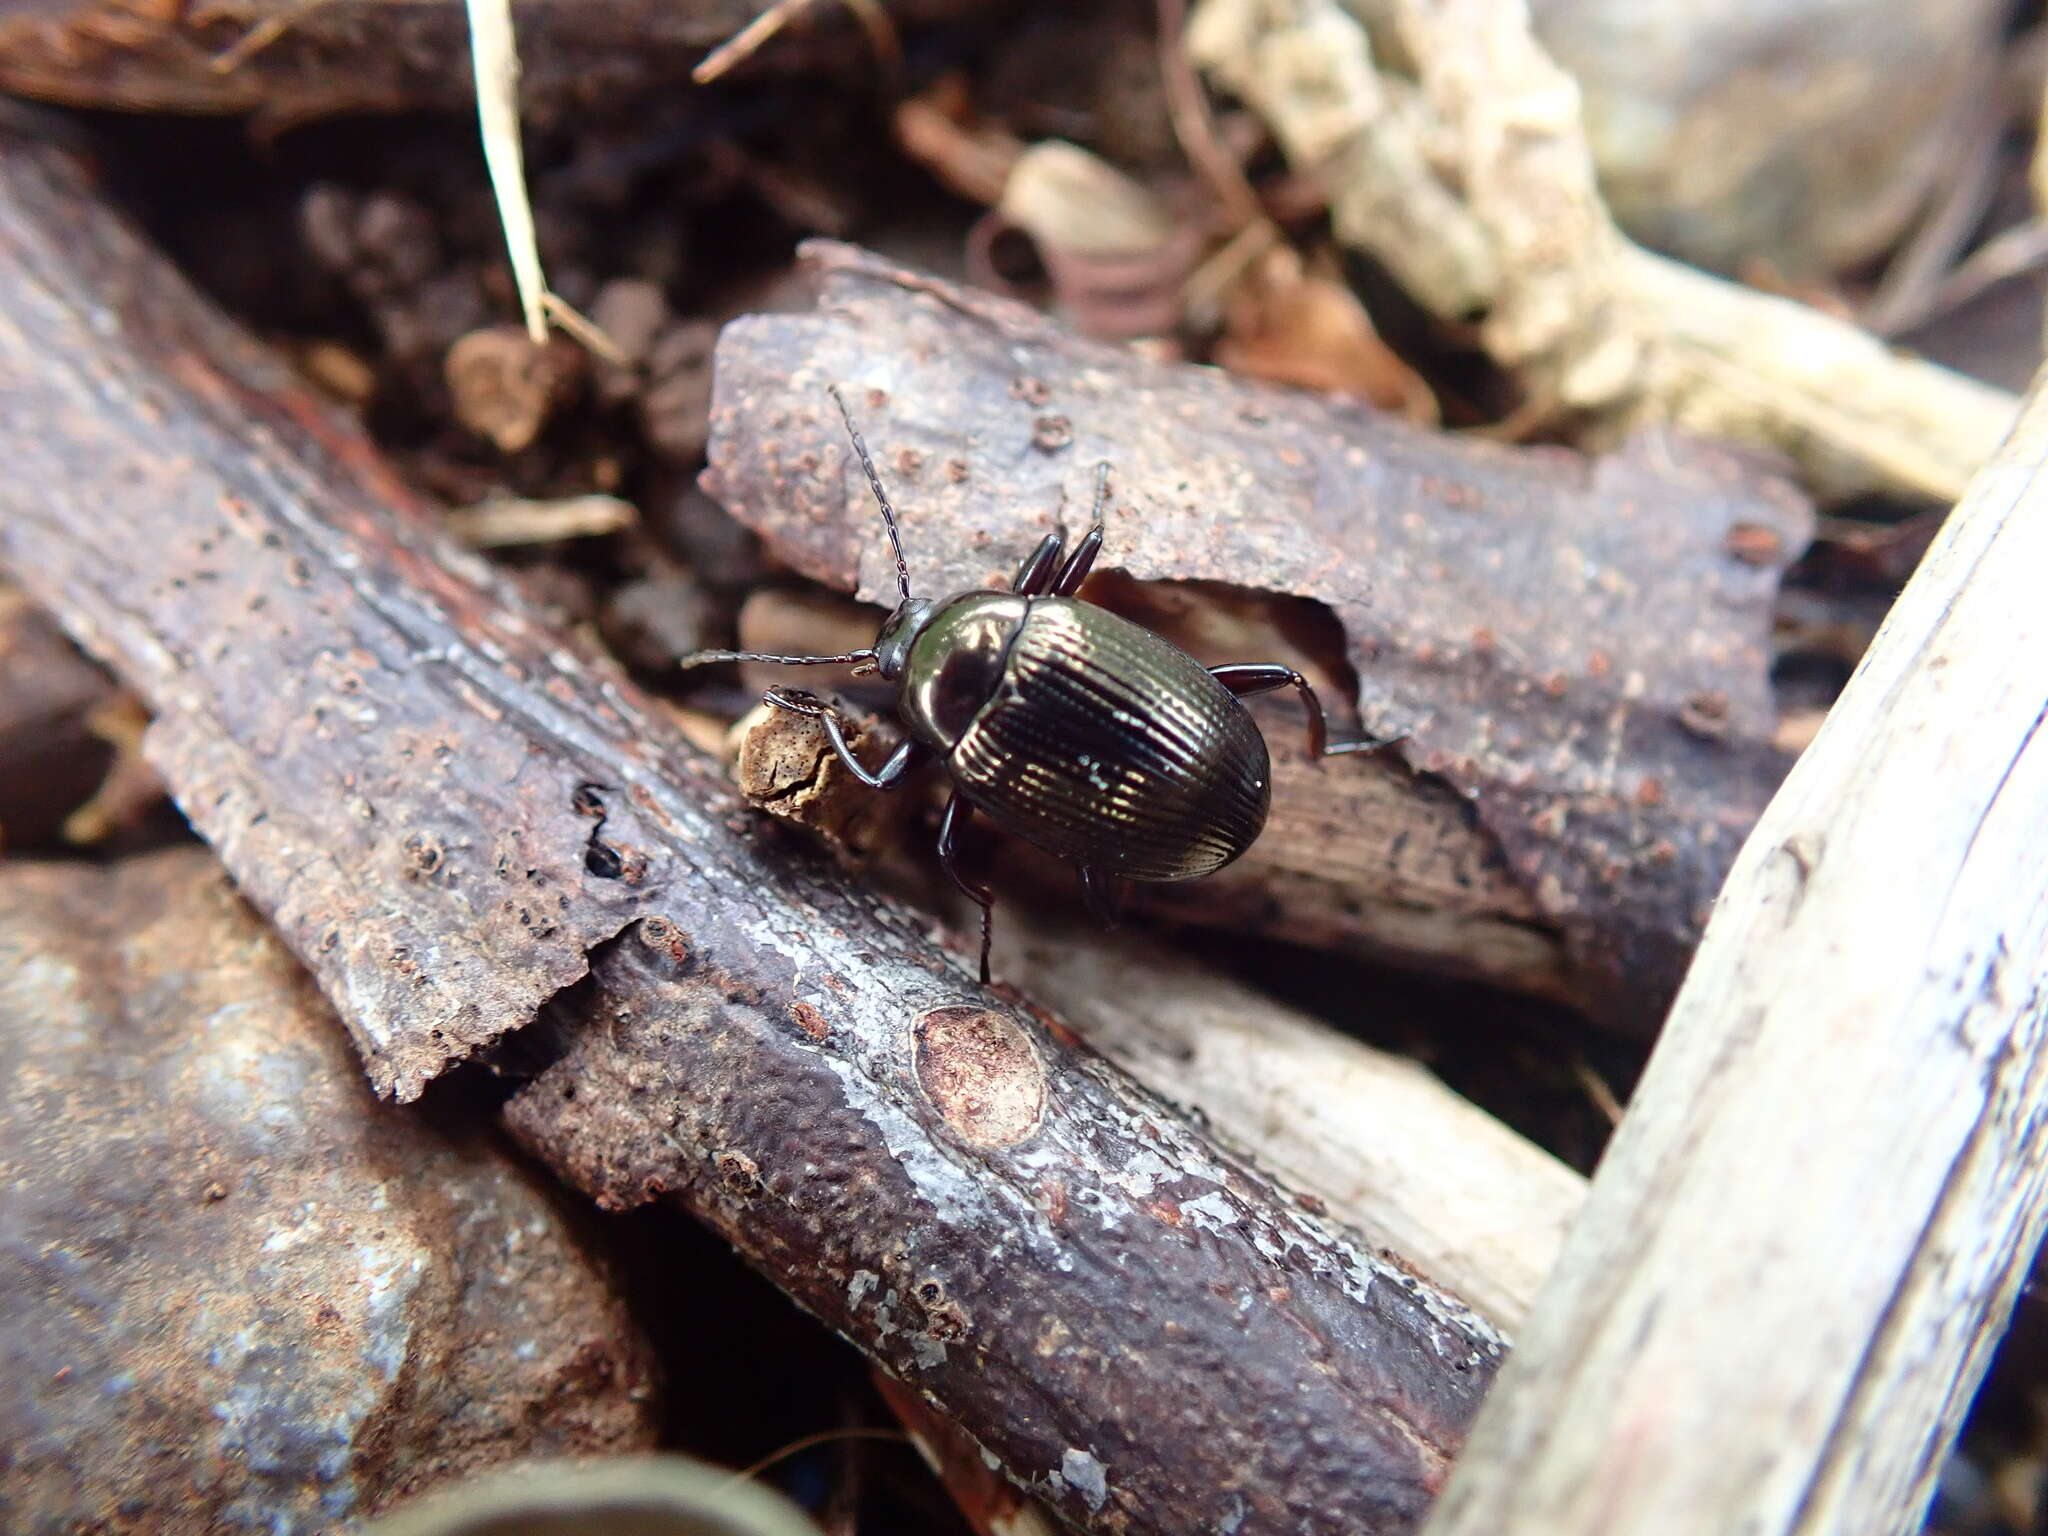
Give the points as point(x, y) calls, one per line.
point(706, 658)
point(882, 496)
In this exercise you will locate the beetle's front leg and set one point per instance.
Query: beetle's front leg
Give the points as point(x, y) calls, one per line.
point(891, 775)
point(1247, 678)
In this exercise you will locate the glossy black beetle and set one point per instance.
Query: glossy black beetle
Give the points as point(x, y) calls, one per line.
point(1067, 726)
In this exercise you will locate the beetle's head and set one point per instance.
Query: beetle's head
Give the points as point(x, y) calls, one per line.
point(899, 632)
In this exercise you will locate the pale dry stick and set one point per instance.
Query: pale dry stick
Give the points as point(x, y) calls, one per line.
point(1630, 338)
point(1383, 1142)
point(1193, 125)
point(259, 37)
point(2008, 254)
point(581, 328)
point(1915, 275)
point(1307, 68)
point(1594, 325)
point(496, 59)
point(756, 34)
point(1803, 1242)
point(510, 521)
point(746, 42)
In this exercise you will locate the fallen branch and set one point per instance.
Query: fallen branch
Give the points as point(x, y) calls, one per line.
point(295, 60)
point(1385, 1146)
point(1598, 328)
point(1804, 1240)
point(448, 812)
point(1576, 649)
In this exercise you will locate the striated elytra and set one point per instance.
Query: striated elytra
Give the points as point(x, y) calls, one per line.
point(1066, 725)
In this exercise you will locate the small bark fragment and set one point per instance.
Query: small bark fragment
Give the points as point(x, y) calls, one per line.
point(1542, 626)
point(504, 386)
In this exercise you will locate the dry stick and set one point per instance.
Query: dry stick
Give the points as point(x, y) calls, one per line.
point(1805, 1238)
point(449, 813)
point(1590, 321)
point(495, 55)
point(1539, 625)
point(1382, 1141)
point(756, 34)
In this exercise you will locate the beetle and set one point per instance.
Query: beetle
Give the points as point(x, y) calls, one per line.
point(1066, 725)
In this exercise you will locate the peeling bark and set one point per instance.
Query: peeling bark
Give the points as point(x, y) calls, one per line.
point(446, 810)
point(292, 61)
point(1577, 649)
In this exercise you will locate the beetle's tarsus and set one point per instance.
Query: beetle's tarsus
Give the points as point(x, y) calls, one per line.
point(1247, 678)
point(891, 775)
point(1379, 744)
point(951, 825)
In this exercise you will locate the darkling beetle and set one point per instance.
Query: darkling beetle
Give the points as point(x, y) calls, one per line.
point(1067, 726)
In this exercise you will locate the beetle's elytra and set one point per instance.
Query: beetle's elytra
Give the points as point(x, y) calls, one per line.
point(1067, 726)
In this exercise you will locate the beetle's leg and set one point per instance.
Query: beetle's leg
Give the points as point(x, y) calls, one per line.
point(1036, 571)
point(951, 825)
point(1247, 678)
point(891, 775)
point(1082, 561)
point(1103, 894)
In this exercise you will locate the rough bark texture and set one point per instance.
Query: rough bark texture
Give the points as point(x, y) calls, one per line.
point(240, 1293)
point(1577, 649)
point(1804, 1241)
point(446, 809)
point(291, 61)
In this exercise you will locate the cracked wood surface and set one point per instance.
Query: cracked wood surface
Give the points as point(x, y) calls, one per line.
point(1577, 649)
point(405, 772)
point(1802, 1244)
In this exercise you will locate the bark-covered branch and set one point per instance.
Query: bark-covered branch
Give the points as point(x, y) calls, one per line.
point(1577, 650)
point(290, 60)
point(451, 814)
point(1805, 1239)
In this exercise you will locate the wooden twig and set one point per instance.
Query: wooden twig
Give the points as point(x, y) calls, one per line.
point(1804, 1239)
point(769, 24)
point(1387, 1148)
point(1577, 650)
point(450, 814)
point(1595, 326)
point(293, 60)
point(1380, 1142)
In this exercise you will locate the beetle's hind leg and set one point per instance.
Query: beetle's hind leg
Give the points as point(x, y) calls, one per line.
point(1036, 571)
point(891, 775)
point(1247, 678)
point(951, 825)
point(1103, 894)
